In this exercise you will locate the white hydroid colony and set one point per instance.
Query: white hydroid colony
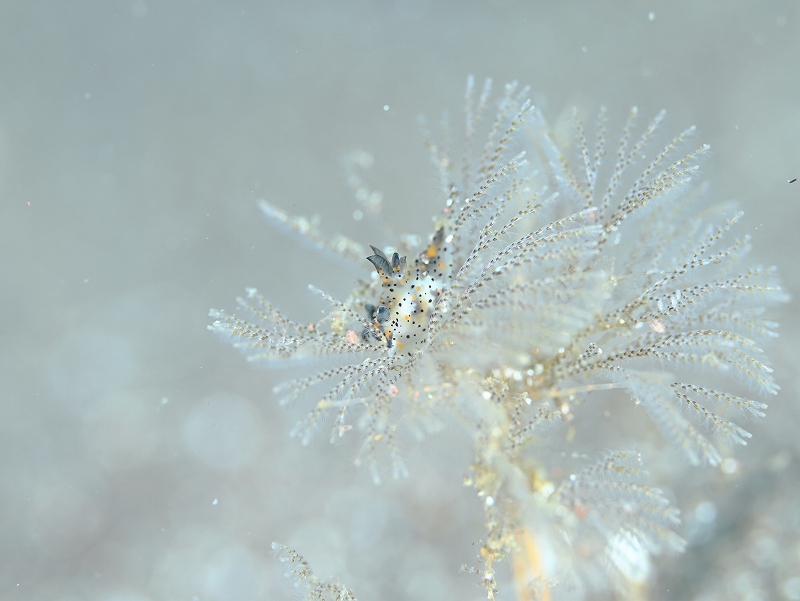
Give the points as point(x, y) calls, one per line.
point(543, 284)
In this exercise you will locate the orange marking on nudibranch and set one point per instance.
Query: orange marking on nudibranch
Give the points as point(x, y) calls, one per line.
point(431, 252)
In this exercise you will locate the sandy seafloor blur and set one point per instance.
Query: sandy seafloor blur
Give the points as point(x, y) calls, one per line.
point(142, 459)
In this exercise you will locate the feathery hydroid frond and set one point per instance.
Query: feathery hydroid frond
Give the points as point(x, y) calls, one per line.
point(542, 283)
point(303, 578)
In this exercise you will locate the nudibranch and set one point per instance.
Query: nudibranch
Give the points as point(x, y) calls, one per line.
point(409, 295)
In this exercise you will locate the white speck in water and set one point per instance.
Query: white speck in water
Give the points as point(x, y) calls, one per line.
point(215, 502)
point(358, 215)
point(87, 95)
point(651, 16)
point(489, 501)
point(385, 107)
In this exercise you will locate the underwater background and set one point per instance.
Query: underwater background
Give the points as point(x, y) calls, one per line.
point(141, 459)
